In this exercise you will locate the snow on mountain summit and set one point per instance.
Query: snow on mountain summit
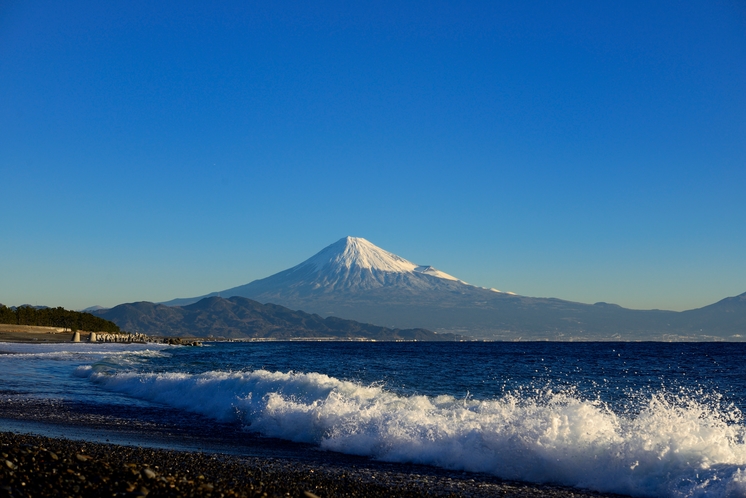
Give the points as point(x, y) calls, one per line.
point(350, 266)
point(358, 253)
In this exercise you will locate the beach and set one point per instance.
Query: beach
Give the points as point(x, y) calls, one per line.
point(58, 447)
point(32, 334)
point(368, 419)
point(41, 466)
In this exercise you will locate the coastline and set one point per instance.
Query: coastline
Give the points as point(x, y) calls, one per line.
point(124, 441)
point(126, 437)
point(33, 334)
point(41, 466)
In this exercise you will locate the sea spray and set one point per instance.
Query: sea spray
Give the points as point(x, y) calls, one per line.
point(671, 445)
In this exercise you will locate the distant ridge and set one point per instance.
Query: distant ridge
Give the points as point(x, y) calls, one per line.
point(355, 279)
point(91, 309)
point(242, 318)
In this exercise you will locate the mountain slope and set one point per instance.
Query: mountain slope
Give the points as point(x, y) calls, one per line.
point(355, 279)
point(723, 317)
point(239, 317)
point(350, 266)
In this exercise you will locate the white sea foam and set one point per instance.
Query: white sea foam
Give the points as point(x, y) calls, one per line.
point(79, 348)
point(674, 445)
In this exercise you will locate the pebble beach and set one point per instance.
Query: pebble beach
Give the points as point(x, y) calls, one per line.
point(40, 466)
point(58, 447)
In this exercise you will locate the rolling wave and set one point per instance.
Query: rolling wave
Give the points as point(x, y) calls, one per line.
point(673, 445)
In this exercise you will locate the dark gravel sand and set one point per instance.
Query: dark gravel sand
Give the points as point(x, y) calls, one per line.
point(163, 452)
point(40, 466)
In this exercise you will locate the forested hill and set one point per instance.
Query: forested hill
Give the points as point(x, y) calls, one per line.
point(238, 318)
point(55, 317)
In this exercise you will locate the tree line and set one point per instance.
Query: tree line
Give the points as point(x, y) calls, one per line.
point(55, 317)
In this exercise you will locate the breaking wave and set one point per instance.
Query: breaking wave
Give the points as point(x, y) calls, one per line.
point(674, 445)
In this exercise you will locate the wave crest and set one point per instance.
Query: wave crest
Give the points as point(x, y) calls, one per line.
point(673, 445)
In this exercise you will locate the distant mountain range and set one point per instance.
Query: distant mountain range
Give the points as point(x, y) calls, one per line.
point(240, 318)
point(357, 280)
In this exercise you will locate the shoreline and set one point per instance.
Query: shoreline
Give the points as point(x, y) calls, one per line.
point(183, 446)
point(33, 335)
point(37, 465)
point(123, 438)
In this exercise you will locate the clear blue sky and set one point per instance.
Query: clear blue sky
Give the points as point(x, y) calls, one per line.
point(591, 151)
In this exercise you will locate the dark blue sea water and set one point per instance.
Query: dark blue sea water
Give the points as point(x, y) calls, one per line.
point(646, 419)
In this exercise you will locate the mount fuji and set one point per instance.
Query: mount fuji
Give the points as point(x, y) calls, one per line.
point(351, 268)
point(354, 279)
point(351, 265)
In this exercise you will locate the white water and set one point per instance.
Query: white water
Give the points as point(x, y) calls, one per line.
point(43, 370)
point(673, 446)
point(79, 350)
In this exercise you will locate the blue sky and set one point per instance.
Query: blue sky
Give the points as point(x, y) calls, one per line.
point(591, 151)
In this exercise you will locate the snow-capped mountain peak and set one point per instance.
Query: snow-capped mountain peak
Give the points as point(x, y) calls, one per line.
point(353, 253)
point(350, 266)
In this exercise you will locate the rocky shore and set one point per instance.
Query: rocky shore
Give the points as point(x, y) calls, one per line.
point(35, 335)
point(40, 466)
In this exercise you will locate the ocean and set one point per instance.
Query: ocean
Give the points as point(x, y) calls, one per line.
point(641, 419)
